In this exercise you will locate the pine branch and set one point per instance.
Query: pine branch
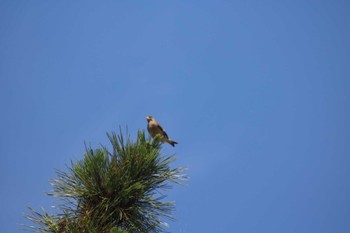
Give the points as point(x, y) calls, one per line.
point(120, 190)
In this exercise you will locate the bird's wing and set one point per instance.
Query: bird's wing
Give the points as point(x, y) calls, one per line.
point(163, 131)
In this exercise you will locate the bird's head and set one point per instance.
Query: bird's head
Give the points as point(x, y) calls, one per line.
point(149, 118)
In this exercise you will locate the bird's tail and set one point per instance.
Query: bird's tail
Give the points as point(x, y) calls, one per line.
point(171, 142)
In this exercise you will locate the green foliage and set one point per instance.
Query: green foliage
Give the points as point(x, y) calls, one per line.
point(117, 230)
point(113, 191)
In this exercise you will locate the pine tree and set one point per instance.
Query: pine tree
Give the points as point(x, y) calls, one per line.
point(115, 191)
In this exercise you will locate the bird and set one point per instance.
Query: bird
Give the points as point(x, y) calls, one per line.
point(154, 129)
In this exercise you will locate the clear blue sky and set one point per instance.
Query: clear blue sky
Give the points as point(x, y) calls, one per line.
point(255, 92)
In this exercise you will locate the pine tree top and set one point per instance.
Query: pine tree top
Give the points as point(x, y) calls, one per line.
point(121, 190)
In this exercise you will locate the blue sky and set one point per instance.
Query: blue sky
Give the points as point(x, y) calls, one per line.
point(255, 92)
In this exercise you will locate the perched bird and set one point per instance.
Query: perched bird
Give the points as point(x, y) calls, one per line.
point(154, 128)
